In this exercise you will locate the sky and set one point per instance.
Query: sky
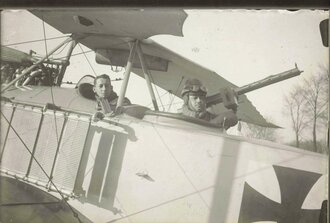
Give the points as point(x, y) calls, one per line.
point(242, 46)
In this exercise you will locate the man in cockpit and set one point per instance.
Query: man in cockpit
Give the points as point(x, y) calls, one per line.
point(194, 97)
point(105, 96)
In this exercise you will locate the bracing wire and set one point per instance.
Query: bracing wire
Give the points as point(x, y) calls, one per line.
point(176, 92)
point(44, 30)
point(181, 167)
point(175, 103)
point(34, 41)
point(159, 97)
point(51, 84)
point(161, 102)
point(84, 53)
point(87, 59)
point(160, 205)
point(90, 51)
point(77, 54)
point(42, 169)
point(196, 190)
point(63, 48)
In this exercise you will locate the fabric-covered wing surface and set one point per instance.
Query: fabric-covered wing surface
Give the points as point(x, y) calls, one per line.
point(133, 23)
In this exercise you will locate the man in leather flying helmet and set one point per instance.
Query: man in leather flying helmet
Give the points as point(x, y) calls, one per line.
point(194, 97)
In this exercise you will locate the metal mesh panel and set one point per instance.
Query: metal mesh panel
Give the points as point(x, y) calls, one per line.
point(47, 145)
point(5, 111)
point(15, 156)
point(70, 152)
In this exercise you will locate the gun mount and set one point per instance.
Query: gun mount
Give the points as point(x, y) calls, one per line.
point(229, 96)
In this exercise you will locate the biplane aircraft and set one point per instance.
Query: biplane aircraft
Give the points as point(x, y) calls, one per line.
point(141, 164)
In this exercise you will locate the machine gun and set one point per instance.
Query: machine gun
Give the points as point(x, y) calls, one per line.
point(228, 96)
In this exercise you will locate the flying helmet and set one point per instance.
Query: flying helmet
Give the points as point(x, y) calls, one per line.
point(193, 86)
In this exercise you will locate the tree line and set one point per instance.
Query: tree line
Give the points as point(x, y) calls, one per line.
point(307, 107)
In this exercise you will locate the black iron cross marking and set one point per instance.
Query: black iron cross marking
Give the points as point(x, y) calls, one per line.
point(294, 186)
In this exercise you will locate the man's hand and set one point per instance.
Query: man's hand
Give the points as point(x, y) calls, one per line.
point(97, 116)
point(110, 114)
point(225, 119)
point(100, 115)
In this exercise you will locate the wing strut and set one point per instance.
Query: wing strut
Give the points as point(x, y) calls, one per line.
point(136, 47)
point(36, 64)
point(66, 64)
point(147, 76)
point(127, 74)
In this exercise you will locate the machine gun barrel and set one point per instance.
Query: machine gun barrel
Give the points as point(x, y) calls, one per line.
point(217, 98)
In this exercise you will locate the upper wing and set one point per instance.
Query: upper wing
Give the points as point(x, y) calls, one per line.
point(109, 31)
point(134, 23)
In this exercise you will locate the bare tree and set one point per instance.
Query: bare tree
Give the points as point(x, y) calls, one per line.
point(259, 132)
point(315, 93)
point(294, 106)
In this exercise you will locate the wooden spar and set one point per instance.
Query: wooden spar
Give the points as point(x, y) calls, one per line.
point(147, 76)
point(127, 74)
point(35, 65)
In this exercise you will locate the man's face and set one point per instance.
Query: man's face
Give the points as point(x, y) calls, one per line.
point(197, 103)
point(102, 88)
